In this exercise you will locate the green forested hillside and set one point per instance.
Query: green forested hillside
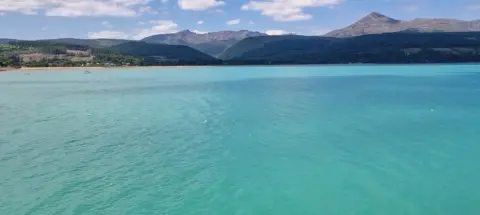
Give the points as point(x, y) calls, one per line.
point(6, 41)
point(161, 54)
point(274, 46)
point(381, 48)
point(79, 52)
point(49, 54)
point(400, 47)
point(213, 48)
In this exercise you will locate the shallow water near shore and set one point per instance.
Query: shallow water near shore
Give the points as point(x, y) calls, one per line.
point(336, 140)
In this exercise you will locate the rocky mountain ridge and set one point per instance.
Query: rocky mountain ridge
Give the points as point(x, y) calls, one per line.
point(212, 43)
point(376, 23)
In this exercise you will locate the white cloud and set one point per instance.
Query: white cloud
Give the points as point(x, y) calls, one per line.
point(90, 8)
point(287, 10)
point(73, 8)
point(233, 22)
point(219, 11)
point(108, 35)
point(164, 1)
point(200, 22)
point(276, 32)
point(160, 27)
point(251, 22)
point(29, 7)
point(127, 2)
point(141, 23)
point(199, 32)
point(2, 14)
point(44, 28)
point(199, 5)
point(147, 9)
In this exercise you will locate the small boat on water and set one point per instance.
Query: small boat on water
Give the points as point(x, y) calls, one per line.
point(87, 72)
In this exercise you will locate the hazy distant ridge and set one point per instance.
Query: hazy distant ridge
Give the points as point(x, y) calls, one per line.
point(376, 23)
point(212, 43)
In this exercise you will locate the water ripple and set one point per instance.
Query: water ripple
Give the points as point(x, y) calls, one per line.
point(150, 143)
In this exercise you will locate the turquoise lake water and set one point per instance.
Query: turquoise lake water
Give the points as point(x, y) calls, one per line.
point(333, 140)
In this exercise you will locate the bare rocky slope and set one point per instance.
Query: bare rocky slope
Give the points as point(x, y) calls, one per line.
point(212, 43)
point(376, 23)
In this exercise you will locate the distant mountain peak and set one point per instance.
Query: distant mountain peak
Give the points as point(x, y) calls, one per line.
point(212, 43)
point(186, 31)
point(377, 23)
point(378, 17)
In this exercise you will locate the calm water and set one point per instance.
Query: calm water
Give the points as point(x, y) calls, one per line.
point(363, 140)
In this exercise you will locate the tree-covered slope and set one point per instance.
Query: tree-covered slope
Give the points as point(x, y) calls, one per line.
point(6, 40)
point(83, 52)
point(274, 46)
point(380, 48)
point(50, 54)
point(165, 54)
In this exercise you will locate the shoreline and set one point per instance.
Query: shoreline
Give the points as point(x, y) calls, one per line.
point(95, 68)
point(11, 69)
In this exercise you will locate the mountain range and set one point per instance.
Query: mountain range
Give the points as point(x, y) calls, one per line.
point(400, 47)
point(375, 38)
point(213, 43)
point(376, 23)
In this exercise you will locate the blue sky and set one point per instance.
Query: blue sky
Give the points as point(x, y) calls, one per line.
point(135, 19)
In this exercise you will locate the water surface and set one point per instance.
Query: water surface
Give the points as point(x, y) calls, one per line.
point(336, 140)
